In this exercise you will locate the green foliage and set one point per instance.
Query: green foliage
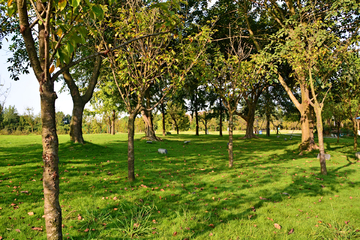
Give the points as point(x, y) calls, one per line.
point(176, 116)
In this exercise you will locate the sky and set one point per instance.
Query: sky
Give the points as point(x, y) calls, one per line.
point(24, 93)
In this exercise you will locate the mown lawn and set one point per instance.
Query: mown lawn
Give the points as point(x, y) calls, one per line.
point(271, 193)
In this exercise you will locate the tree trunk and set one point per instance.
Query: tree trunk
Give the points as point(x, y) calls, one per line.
point(76, 135)
point(147, 117)
point(131, 147)
point(52, 210)
point(113, 122)
point(197, 120)
point(149, 127)
point(221, 119)
point(307, 129)
point(354, 125)
point(39, 59)
point(79, 101)
point(268, 125)
point(163, 118)
point(206, 128)
point(230, 147)
point(250, 118)
point(307, 140)
point(176, 125)
point(319, 125)
point(109, 125)
point(338, 131)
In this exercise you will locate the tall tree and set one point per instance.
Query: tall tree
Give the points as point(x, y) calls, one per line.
point(176, 112)
point(231, 78)
point(349, 90)
point(314, 52)
point(46, 47)
point(138, 66)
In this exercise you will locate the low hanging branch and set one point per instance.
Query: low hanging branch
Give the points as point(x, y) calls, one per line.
point(103, 53)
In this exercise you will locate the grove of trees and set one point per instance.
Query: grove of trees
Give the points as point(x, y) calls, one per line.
point(232, 62)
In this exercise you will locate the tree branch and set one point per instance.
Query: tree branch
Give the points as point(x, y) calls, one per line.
point(103, 53)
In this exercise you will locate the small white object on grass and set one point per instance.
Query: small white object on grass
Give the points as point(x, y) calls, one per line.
point(186, 142)
point(357, 155)
point(162, 151)
point(327, 156)
point(148, 141)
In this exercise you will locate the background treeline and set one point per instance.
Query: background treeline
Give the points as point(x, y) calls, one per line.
point(11, 122)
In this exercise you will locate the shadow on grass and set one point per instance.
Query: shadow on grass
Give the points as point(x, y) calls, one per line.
point(191, 179)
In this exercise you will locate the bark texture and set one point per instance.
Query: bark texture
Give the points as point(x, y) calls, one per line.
point(131, 147)
point(319, 126)
point(221, 119)
point(52, 210)
point(149, 126)
point(163, 118)
point(113, 122)
point(354, 125)
point(40, 64)
point(268, 125)
point(307, 138)
point(230, 147)
point(197, 120)
point(79, 101)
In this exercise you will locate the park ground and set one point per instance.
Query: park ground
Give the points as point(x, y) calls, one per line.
point(272, 192)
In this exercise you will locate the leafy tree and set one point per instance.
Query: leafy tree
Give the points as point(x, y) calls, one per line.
point(314, 53)
point(138, 66)
point(176, 112)
point(205, 117)
point(231, 78)
point(349, 90)
point(59, 30)
point(80, 100)
point(29, 117)
point(11, 118)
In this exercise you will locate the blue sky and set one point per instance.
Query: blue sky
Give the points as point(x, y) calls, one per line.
point(25, 92)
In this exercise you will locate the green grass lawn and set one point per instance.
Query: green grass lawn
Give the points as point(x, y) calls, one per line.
point(190, 193)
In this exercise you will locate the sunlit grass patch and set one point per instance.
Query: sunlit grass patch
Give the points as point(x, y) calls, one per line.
point(188, 193)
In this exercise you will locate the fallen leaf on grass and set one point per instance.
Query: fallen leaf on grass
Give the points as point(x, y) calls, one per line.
point(86, 230)
point(175, 233)
point(37, 228)
point(18, 230)
point(277, 226)
point(79, 217)
point(30, 213)
point(291, 231)
point(211, 225)
point(211, 234)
